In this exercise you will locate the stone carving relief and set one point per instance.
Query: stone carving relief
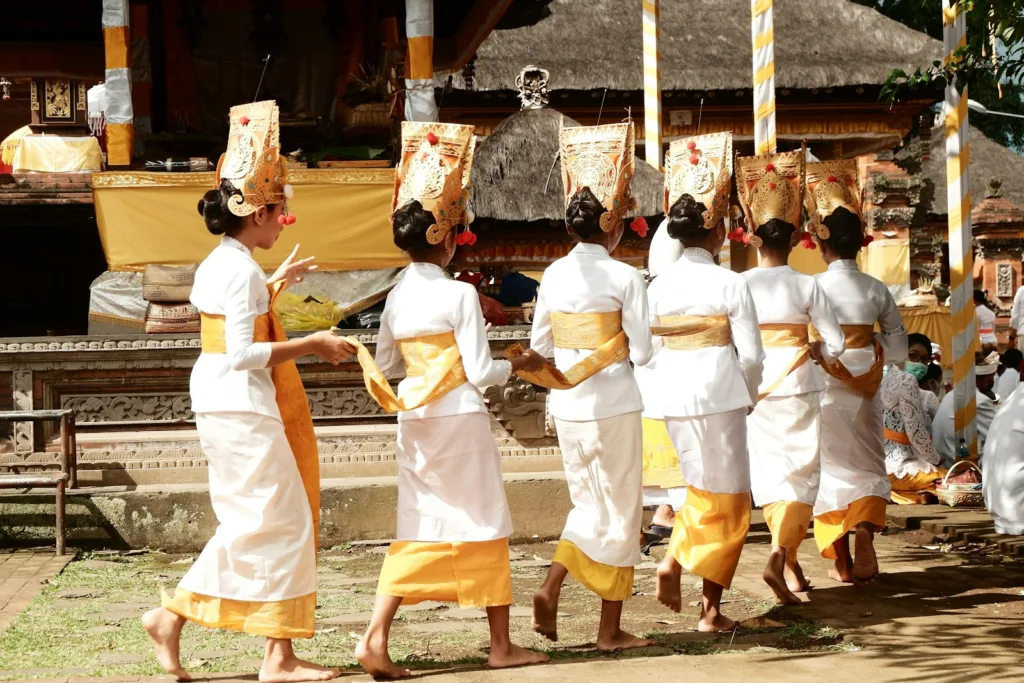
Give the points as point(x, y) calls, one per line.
point(343, 403)
point(1004, 280)
point(23, 431)
point(130, 408)
point(520, 407)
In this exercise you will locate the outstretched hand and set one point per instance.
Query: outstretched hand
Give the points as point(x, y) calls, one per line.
point(292, 271)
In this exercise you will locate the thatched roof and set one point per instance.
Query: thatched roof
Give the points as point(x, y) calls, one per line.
point(704, 45)
point(988, 160)
point(516, 177)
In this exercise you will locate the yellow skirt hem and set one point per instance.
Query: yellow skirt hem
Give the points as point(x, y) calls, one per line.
point(281, 619)
point(614, 584)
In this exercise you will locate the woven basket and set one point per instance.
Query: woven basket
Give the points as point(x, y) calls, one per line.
point(173, 319)
point(960, 495)
point(168, 284)
point(370, 115)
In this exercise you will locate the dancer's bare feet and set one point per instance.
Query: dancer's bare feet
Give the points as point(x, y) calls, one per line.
point(545, 615)
point(513, 655)
point(713, 621)
point(664, 516)
point(774, 576)
point(374, 658)
point(670, 574)
point(795, 579)
point(865, 562)
point(164, 629)
point(621, 641)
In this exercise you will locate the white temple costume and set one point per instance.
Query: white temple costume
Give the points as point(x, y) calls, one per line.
point(910, 459)
point(1003, 483)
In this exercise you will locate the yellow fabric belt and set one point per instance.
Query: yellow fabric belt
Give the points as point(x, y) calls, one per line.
point(786, 335)
point(687, 332)
point(858, 337)
point(599, 331)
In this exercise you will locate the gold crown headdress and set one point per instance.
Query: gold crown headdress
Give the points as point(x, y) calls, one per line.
point(252, 162)
point(434, 170)
point(601, 158)
point(770, 186)
point(831, 184)
point(701, 166)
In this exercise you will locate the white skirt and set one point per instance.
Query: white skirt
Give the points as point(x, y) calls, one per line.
point(655, 495)
point(263, 549)
point(603, 462)
point(852, 449)
point(783, 440)
point(713, 450)
point(450, 487)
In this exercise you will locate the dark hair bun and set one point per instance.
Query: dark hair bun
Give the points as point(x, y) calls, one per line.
point(776, 233)
point(409, 226)
point(845, 233)
point(686, 220)
point(583, 215)
point(213, 207)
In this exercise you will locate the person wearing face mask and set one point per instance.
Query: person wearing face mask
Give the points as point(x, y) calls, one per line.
point(910, 460)
point(988, 403)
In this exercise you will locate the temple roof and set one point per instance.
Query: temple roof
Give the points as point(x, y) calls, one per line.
point(706, 44)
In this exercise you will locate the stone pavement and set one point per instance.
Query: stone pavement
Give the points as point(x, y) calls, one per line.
point(22, 576)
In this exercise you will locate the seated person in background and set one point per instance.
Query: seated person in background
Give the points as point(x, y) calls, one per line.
point(986, 322)
point(931, 387)
point(1003, 483)
point(943, 430)
point(1009, 373)
point(910, 460)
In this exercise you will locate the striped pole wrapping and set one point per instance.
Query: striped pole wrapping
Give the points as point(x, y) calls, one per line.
point(120, 129)
point(419, 61)
point(961, 254)
point(763, 36)
point(652, 85)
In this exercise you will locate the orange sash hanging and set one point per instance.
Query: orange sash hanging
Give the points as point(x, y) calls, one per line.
point(858, 337)
point(896, 437)
point(786, 335)
point(599, 331)
point(689, 332)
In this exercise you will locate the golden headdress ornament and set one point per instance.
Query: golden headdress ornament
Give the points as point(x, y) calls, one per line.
point(252, 162)
point(601, 158)
point(434, 170)
point(831, 184)
point(701, 166)
point(770, 186)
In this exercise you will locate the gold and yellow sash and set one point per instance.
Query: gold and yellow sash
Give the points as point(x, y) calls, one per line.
point(858, 337)
point(786, 335)
point(688, 332)
point(599, 331)
point(289, 393)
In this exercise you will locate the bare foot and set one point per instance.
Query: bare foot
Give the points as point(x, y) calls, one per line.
point(514, 656)
point(664, 516)
point(293, 670)
point(545, 616)
point(865, 562)
point(774, 576)
point(164, 629)
point(715, 623)
point(795, 579)
point(622, 641)
point(376, 661)
point(669, 592)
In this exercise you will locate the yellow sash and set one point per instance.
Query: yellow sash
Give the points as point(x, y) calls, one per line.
point(858, 337)
point(688, 332)
point(289, 393)
point(786, 335)
point(599, 331)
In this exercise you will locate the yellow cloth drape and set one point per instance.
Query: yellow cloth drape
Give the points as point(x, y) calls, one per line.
point(661, 462)
point(784, 335)
point(888, 260)
point(936, 323)
point(614, 584)
point(788, 521)
point(600, 331)
point(688, 332)
point(709, 534)
point(476, 574)
point(858, 337)
point(11, 143)
point(56, 154)
point(906, 489)
point(831, 526)
point(284, 619)
point(342, 219)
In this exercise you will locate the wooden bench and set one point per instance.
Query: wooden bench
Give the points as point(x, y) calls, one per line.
point(66, 478)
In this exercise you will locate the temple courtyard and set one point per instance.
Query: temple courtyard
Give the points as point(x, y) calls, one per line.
point(948, 607)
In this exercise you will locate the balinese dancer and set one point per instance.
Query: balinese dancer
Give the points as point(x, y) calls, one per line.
point(258, 573)
point(785, 428)
point(591, 317)
point(453, 519)
point(708, 369)
point(854, 487)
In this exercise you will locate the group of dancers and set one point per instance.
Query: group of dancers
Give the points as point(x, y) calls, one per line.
point(724, 373)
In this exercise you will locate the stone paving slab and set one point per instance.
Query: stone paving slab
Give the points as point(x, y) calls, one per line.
point(22, 575)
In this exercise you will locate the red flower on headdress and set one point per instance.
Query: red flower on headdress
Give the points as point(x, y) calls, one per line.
point(691, 145)
point(244, 120)
point(772, 186)
point(639, 226)
point(807, 242)
point(737, 235)
point(833, 179)
point(868, 239)
point(694, 159)
point(466, 238)
point(431, 138)
point(769, 167)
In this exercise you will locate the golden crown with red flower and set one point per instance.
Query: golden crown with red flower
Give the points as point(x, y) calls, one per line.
point(830, 185)
point(771, 186)
point(434, 169)
point(253, 163)
point(601, 158)
point(701, 166)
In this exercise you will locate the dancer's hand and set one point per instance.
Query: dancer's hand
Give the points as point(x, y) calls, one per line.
point(292, 271)
point(531, 361)
point(816, 354)
point(328, 346)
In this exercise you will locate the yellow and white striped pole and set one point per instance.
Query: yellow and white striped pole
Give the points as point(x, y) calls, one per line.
point(961, 253)
point(652, 85)
point(119, 114)
point(763, 35)
point(419, 61)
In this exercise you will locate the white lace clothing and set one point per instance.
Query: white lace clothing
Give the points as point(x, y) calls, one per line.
point(903, 412)
point(930, 404)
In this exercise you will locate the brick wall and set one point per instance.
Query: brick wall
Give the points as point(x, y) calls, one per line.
point(45, 188)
